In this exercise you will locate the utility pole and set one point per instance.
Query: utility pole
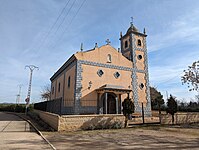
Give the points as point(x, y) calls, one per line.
point(167, 95)
point(19, 94)
point(31, 67)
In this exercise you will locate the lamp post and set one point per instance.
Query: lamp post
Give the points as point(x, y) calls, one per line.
point(19, 94)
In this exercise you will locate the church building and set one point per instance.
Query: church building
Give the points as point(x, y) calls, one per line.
point(97, 81)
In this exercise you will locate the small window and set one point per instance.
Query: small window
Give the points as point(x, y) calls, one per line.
point(69, 82)
point(139, 42)
point(59, 87)
point(100, 73)
point(139, 57)
point(141, 86)
point(109, 58)
point(126, 44)
point(116, 75)
point(53, 90)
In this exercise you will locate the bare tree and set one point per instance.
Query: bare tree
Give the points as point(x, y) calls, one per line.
point(191, 77)
point(45, 93)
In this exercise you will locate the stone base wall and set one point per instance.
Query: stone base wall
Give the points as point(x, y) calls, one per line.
point(181, 118)
point(81, 122)
point(84, 122)
point(50, 118)
point(139, 120)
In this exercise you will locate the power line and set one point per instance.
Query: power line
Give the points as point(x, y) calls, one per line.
point(70, 23)
point(54, 24)
point(65, 16)
point(171, 78)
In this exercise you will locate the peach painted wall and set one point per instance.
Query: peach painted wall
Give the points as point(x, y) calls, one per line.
point(100, 55)
point(140, 63)
point(141, 92)
point(90, 72)
point(69, 91)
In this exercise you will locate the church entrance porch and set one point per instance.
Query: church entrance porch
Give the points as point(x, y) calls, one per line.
point(109, 99)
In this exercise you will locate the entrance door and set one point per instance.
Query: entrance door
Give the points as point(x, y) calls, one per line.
point(110, 103)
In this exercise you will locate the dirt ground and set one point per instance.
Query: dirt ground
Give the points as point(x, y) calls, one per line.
point(148, 137)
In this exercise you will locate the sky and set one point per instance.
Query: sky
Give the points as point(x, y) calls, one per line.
point(45, 33)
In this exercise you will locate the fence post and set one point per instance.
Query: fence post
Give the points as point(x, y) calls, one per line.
point(142, 113)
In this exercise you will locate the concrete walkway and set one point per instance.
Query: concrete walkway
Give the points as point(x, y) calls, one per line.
point(16, 133)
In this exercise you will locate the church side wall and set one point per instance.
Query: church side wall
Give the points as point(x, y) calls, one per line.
point(69, 90)
point(65, 90)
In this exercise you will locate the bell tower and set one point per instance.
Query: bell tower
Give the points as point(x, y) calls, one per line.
point(133, 47)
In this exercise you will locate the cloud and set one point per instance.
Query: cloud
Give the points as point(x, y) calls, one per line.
point(183, 29)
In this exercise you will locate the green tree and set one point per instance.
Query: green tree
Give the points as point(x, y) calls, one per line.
point(191, 77)
point(172, 106)
point(156, 99)
point(128, 109)
point(160, 101)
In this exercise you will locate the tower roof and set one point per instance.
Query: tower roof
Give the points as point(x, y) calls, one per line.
point(132, 28)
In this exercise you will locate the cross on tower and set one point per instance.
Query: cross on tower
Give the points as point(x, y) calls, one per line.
point(132, 20)
point(108, 42)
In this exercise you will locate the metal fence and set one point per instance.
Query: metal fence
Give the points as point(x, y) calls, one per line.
point(53, 106)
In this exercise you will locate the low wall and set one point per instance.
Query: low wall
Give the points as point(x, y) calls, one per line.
point(50, 118)
point(139, 120)
point(80, 122)
point(181, 118)
point(83, 122)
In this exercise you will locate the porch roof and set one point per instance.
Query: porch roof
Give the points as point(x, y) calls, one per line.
point(113, 88)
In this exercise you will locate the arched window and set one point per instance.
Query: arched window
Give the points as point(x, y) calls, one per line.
point(139, 42)
point(53, 90)
point(59, 87)
point(69, 82)
point(109, 58)
point(126, 44)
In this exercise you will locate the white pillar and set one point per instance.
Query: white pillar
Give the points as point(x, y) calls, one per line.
point(106, 96)
point(120, 102)
point(116, 99)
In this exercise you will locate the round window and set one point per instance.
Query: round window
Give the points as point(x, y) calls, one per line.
point(139, 57)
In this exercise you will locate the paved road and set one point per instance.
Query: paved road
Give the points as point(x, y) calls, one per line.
point(16, 133)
